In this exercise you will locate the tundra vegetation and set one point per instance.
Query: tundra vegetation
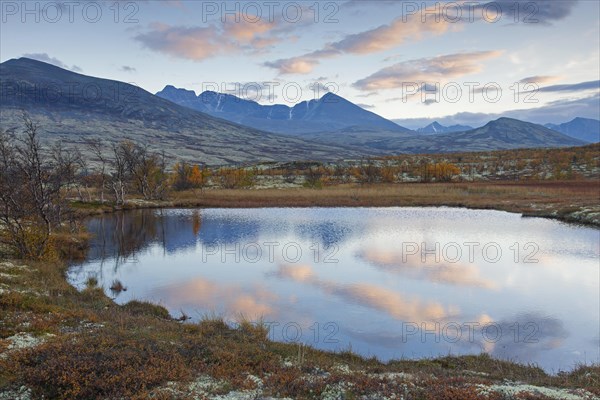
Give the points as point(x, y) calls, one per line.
point(57, 342)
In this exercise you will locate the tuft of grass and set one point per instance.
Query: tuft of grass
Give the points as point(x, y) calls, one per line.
point(91, 282)
point(116, 287)
point(184, 317)
point(145, 308)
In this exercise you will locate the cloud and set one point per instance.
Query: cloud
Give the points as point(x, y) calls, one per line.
point(232, 300)
point(541, 79)
point(531, 12)
point(554, 112)
point(379, 39)
point(390, 302)
point(418, 25)
point(538, 333)
point(365, 106)
point(198, 43)
point(454, 274)
point(358, 3)
point(183, 42)
point(367, 295)
point(126, 68)
point(576, 87)
point(389, 36)
point(238, 33)
point(540, 11)
point(365, 95)
point(435, 69)
point(44, 57)
point(298, 65)
point(297, 273)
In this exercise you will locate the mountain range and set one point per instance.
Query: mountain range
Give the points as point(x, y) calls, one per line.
point(210, 128)
point(584, 129)
point(329, 113)
point(317, 119)
point(74, 108)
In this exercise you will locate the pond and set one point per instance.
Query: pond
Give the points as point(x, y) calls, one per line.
point(385, 282)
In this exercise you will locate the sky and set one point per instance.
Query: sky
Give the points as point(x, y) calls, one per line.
point(414, 62)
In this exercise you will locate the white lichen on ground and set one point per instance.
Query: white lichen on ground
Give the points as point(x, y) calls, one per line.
point(11, 274)
point(206, 387)
point(23, 393)
point(511, 390)
point(23, 340)
point(10, 266)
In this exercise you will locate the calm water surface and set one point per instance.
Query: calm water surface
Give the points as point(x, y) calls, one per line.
point(385, 282)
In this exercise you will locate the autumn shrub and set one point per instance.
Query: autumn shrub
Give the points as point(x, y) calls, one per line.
point(443, 172)
point(99, 365)
point(186, 176)
point(236, 178)
point(36, 244)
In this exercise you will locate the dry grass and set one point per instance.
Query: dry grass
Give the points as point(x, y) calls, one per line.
point(555, 199)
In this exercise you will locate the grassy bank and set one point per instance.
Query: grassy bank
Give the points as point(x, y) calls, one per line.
point(60, 343)
point(569, 201)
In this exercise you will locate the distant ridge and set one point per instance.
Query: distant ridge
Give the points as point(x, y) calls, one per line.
point(509, 133)
point(504, 133)
point(585, 129)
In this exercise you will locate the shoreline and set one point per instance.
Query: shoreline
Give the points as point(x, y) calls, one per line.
point(541, 202)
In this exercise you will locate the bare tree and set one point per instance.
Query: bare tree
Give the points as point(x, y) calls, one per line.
point(67, 164)
point(369, 172)
point(313, 176)
point(30, 191)
point(118, 175)
point(97, 151)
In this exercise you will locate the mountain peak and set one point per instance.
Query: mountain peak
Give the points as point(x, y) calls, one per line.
point(331, 96)
point(24, 60)
point(505, 120)
point(437, 128)
point(171, 88)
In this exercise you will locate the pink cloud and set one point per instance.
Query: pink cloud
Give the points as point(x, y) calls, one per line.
point(435, 69)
